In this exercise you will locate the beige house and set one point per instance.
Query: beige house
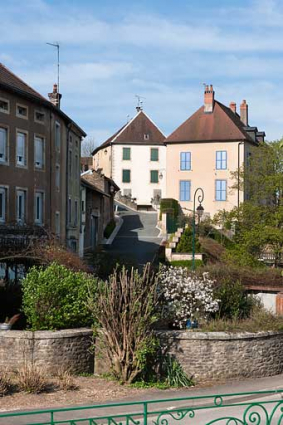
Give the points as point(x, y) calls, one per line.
point(204, 150)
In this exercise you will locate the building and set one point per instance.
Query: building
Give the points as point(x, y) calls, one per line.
point(204, 150)
point(86, 163)
point(97, 208)
point(39, 163)
point(135, 158)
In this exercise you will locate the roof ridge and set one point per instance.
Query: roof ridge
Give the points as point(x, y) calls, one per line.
point(153, 123)
point(22, 81)
point(238, 124)
point(125, 126)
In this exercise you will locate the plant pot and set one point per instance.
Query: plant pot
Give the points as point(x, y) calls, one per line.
point(5, 326)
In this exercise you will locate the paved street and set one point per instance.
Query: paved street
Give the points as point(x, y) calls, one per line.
point(137, 241)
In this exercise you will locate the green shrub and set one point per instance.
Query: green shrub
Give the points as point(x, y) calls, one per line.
point(186, 242)
point(186, 263)
point(109, 229)
point(55, 298)
point(169, 205)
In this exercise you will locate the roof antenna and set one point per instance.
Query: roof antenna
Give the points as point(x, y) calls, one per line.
point(58, 61)
point(140, 102)
point(128, 118)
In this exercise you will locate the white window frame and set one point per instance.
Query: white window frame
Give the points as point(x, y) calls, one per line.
point(221, 190)
point(4, 160)
point(23, 193)
point(3, 210)
point(22, 163)
point(221, 160)
point(39, 218)
point(4, 111)
point(39, 165)
point(19, 105)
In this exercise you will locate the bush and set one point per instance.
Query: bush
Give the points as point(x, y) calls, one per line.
point(186, 263)
point(109, 229)
point(186, 242)
point(169, 205)
point(31, 379)
point(186, 295)
point(5, 383)
point(55, 298)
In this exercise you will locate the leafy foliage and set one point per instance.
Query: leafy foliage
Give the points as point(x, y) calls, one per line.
point(186, 242)
point(109, 229)
point(186, 263)
point(55, 298)
point(174, 374)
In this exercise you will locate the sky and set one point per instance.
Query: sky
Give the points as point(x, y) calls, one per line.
point(161, 50)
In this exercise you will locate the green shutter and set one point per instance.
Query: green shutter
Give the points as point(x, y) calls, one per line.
point(154, 154)
point(126, 176)
point(153, 176)
point(126, 154)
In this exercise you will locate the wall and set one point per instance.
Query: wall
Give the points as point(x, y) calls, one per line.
point(49, 350)
point(219, 355)
point(102, 160)
point(203, 173)
point(140, 166)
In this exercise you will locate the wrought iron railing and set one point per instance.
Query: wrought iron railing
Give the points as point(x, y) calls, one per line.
point(250, 408)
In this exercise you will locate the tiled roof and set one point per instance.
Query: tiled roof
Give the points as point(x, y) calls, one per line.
point(8, 78)
point(220, 125)
point(139, 131)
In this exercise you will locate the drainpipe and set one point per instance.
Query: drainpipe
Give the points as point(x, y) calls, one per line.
point(67, 181)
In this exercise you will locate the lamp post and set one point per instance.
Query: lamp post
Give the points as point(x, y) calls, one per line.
point(199, 211)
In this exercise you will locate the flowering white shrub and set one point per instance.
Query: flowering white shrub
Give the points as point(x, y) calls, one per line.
point(186, 295)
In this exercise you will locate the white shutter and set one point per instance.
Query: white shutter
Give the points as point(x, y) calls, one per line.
point(3, 142)
point(38, 152)
point(21, 148)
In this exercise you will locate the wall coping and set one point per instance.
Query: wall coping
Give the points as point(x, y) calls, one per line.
point(65, 333)
point(220, 336)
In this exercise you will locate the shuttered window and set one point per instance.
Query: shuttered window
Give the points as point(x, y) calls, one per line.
point(185, 190)
point(21, 149)
point(126, 154)
point(126, 176)
point(153, 176)
point(154, 154)
point(39, 152)
point(3, 144)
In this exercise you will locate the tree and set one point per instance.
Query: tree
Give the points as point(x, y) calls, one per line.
point(87, 147)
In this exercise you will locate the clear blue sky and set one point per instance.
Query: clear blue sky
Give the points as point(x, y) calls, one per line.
point(163, 50)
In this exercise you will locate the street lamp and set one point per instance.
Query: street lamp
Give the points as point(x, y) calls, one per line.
point(199, 210)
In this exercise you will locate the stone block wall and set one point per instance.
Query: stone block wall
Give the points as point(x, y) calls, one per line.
point(70, 349)
point(218, 355)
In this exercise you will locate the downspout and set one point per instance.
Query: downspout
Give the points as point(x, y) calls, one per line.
point(67, 182)
point(50, 168)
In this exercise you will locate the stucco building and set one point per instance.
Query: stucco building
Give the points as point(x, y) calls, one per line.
point(204, 150)
point(39, 163)
point(135, 158)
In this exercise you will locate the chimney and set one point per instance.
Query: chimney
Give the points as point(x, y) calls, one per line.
point(244, 113)
point(208, 99)
point(55, 97)
point(233, 107)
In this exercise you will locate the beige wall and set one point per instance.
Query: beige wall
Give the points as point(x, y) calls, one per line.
point(203, 173)
point(102, 160)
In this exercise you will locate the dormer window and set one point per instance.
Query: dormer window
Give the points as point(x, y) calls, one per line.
point(22, 111)
point(4, 106)
point(146, 136)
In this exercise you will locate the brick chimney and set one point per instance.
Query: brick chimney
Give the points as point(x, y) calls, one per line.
point(233, 107)
point(244, 113)
point(208, 99)
point(55, 97)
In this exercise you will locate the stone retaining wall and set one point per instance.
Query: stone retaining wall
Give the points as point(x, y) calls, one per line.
point(70, 349)
point(215, 355)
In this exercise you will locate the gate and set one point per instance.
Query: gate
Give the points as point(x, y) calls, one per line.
point(250, 408)
point(171, 223)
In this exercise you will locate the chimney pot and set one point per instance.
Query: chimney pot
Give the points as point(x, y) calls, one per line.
point(244, 113)
point(208, 99)
point(55, 97)
point(233, 107)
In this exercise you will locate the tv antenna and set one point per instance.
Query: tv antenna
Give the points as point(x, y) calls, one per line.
point(140, 102)
point(57, 45)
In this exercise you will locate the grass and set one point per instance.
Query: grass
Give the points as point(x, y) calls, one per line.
point(260, 321)
point(186, 263)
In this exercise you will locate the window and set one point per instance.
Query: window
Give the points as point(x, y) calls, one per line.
point(3, 202)
point(70, 210)
point(38, 207)
point(185, 161)
point(57, 223)
point(83, 206)
point(126, 154)
point(21, 206)
point(38, 152)
point(4, 106)
point(57, 136)
point(39, 117)
point(146, 136)
point(153, 176)
point(185, 190)
point(77, 166)
point(221, 160)
point(70, 163)
point(3, 145)
point(220, 190)
point(127, 193)
point(22, 111)
point(76, 213)
point(21, 149)
point(126, 176)
point(154, 154)
point(57, 177)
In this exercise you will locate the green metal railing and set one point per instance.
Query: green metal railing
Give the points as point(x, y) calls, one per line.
point(250, 408)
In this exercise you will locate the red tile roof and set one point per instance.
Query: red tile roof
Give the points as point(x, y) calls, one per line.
point(220, 125)
point(134, 132)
